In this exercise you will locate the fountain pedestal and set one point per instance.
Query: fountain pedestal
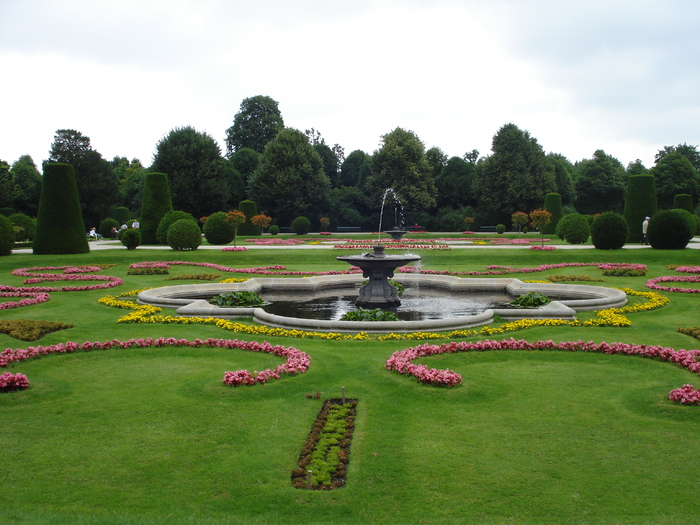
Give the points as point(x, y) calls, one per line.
point(378, 267)
point(396, 234)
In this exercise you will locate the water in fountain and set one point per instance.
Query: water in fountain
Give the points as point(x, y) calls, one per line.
point(398, 231)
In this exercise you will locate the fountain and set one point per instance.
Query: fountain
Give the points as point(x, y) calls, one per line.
point(398, 232)
point(378, 267)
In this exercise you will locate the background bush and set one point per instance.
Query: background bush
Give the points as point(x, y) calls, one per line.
point(121, 214)
point(217, 229)
point(248, 229)
point(691, 219)
point(668, 230)
point(500, 228)
point(7, 236)
point(574, 228)
point(274, 229)
point(552, 204)
point(184, 234)
point(106, 227)
point(131, 238)
point(301, 225)
point(156, 203)
point(609, 231)
point(23, 226)
point(683, 201)
point(640, 202)
point(168, 219)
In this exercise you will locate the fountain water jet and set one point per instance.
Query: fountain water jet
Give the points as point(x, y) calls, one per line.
point(398, 232)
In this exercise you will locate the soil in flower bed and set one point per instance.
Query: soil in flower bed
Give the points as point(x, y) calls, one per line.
point(326, 451)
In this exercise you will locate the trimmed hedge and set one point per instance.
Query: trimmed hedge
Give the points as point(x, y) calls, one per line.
point(691, 219)
point(301, 225)
point(184, 234)
point(156, 203)
point(274, 229)
point(218, 230)
point(7, 236)
point(121, 214)
point(168, 219)
point(248, 229)
point(640, 202)
point(574, 228)
point(131, 238)
point(683, 201)
point(668, 230)
point(552, 204)
point(24, 227)
point(609, 231)
point(106, 227)
point(59, 227)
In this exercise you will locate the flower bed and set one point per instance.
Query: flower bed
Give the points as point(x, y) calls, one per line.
point(10, 382)
point(69, 273)
point(234, 249)
point(402, 361)
point(297, 362)
point(654, 283)
point(549, 247)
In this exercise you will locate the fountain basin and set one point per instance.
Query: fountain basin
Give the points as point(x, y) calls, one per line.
point(190, 301)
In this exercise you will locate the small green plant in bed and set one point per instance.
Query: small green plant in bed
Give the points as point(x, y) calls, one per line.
point(362, 314)
point(624, 272)
point(237, 299)
point(531, 300)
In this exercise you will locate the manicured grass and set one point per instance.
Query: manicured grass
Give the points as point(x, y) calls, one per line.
point(152, 436)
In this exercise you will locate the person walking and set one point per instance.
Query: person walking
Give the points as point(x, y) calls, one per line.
point(645, 226)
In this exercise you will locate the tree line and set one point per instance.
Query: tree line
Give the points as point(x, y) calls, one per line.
point(290, 173)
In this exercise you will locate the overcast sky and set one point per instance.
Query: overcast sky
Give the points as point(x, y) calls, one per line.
point(616, 75)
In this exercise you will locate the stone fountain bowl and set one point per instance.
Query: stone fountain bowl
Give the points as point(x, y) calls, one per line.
point(189, 301)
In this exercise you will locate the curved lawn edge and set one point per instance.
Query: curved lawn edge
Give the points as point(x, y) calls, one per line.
point(402, 360)
point(297, 362)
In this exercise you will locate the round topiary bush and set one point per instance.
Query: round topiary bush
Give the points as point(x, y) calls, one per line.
point(248, 229)
point(609, 231)
point(574, 228)
point(7, 236)
point(668, 230)
point(274, 229)
point(169, 219)
point(301, 225)
point(500, 228)
point(217, 229)
point(106, 227)
point(23, 225)
point(131, 238)
point(184, 234)
point(121, 214)
point(690, 218)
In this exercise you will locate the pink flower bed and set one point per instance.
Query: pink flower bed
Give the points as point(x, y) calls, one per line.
point(234, 249)
point(686, 395)
point(260, 270)
point(654, 283)
point(503, 270)
point(10, 291)
point(10, 382)
point(297, 362)
point(69, 273)
point(276, 242)
point(402, 361)
point(543, 247)
point(688, 269)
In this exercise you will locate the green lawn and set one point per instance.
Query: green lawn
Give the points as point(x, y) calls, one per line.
point(152, 436)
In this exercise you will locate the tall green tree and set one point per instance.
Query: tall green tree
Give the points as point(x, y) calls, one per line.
point(600, 184)
point(199, 177)
point(130, 175)
point(564, 176)
point(454, 185)
point(636, 168)
point(98, 187)
point(353, 168)
point(26, 186)
point(289, 181)
point(245, 160)
point(257, 122)
point(437, 160)
point(5, 184)
point(330, 162)
point(400, 163)
point(516, 177)
point(675, 174)
point(689, 152)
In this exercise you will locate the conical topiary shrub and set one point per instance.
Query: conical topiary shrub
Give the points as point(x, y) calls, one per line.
point(248, 229)
point(552, 204)
point(640, 202)
point(7, 236)
point(156, 203)
point(59, 225)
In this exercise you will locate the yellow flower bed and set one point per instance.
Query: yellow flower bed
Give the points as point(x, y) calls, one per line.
point(609, 317)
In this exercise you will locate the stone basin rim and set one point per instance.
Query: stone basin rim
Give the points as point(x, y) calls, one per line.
point(579, 298)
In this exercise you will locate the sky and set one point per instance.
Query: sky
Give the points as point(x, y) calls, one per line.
point(578, 75)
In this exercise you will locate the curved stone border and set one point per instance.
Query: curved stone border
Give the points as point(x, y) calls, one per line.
point(184, 298)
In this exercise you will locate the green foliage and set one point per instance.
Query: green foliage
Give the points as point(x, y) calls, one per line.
point(640, 202)
point(24, 227)
point(289, 180)
point(200, 178)
point(131, 238)
point(250, 209)
point(60, 228)
point(26, 186)
point(156, 203)
point(237, 300)
point(683, 201)
point(552, 203)
point(31, 330)
point(106, 227)
point(330, 162)
point(369, 315)
point(624, 272)
point(121, 214)
point(354, 168)
point(7, 211)
point(7, 236)
point(500, 228)
point(195, 277)
point(218, 230)
point(691, 219)
point(147, 271)
point(401, 164)
point(167, 220)
point(675, 174)
point(564, 173)
point(609, 231)
point(256, 124)
point(668, 230)
point(184, 234)
point(531, 300)
point(574, 228)
point(600, 184)
point(301, 225)
point(274, 229)
point(454, 185)
point(245, 161)
point(517, 176)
